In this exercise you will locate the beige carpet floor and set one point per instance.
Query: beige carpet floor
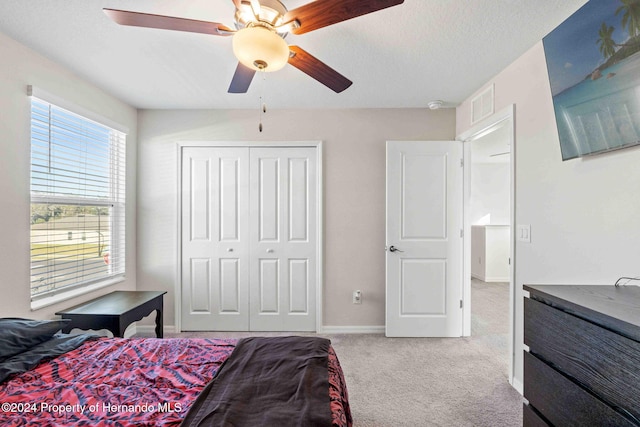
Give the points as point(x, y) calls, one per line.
point(431, 381)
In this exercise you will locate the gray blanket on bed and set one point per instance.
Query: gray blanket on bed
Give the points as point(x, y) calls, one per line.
point(29, 359)
point(268, 381)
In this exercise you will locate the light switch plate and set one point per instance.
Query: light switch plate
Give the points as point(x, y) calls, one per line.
point(524, 233)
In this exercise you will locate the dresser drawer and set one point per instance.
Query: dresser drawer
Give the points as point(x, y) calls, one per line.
point(603, 362)
point(530, 418)
point(561, 401)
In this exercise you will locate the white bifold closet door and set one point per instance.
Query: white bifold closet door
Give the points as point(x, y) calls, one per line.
point(249, 238)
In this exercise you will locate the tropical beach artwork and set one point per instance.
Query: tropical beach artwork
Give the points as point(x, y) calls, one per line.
point(593, 60)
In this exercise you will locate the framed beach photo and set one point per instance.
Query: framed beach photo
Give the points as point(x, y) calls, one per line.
point(593, 60)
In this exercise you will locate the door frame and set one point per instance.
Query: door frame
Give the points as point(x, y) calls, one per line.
point(319, 215)
point(504, 117)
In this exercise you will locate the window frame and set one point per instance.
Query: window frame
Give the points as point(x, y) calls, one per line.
point(115, 202)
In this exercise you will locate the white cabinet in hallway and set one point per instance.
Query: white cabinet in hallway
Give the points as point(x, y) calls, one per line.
point(249, 238)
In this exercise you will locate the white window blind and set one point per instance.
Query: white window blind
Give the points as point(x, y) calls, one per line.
point(77, 200)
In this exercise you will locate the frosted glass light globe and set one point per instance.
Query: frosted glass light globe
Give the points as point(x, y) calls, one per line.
point(260, 49)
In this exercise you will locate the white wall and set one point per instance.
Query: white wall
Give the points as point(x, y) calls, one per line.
point(583, 213)
point(19, 67)
point(354, 191)
point(490, 187)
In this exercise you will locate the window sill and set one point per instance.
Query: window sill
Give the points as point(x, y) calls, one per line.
point(64, 296)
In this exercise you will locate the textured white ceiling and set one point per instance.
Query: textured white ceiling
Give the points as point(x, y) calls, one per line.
point(404, 56)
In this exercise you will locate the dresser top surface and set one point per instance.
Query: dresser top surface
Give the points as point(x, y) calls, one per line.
point(616, 308)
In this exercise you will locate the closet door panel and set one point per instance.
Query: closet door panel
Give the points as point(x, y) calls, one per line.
point(269, 272)
point(231, 198)
point(298, 208)
point(285, 179)
point(299, 286)
point(215, 246)
point(268, 170)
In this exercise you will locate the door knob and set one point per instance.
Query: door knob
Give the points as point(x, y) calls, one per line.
point(229, 249)
point(269, 251)
point(394, 249)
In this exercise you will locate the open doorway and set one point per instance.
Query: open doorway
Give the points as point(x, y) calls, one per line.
point(489, 211)
point(489, 222)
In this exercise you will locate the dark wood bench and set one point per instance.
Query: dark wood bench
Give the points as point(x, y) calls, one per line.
point(115, 311)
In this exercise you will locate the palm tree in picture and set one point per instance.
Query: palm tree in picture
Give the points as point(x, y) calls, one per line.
point(630, 16)
point(605, 42)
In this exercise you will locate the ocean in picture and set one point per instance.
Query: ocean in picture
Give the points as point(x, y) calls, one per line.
point(594, 69)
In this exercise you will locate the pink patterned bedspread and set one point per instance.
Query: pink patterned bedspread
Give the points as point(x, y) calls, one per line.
point(125, 382)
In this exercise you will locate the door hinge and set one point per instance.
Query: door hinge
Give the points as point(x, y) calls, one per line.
point(461, 162)
point(460, 303)
point(461, 233)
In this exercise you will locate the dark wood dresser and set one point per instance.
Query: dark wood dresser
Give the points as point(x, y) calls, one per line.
point(583, 363)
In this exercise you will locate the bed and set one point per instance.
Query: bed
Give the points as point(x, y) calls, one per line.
point(82, 380)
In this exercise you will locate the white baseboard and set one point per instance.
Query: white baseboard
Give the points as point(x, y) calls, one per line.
point(352, 329)
point(170, 329)
point(518, 385)
point(149, 329)
point(490, 278)
point(496, 279)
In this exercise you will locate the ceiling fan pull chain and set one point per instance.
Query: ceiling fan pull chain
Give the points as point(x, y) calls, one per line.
point(260, 117)
point(263, 105)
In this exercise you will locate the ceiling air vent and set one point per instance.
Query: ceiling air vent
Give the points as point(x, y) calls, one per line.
point(482, 105)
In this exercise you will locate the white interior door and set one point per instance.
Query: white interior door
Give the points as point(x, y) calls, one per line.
point(215, 245)
point(283, 239)
point(249, 238)
point(424, 226)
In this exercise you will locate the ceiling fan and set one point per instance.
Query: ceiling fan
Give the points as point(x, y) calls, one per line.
point(260, 29)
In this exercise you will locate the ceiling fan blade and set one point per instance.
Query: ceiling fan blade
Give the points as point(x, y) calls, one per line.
point(137, 19)
point(318, 14)
point(318, 70)
point(241, 79)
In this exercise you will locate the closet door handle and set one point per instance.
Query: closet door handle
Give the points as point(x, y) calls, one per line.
point(229, 249)
point(269, 251)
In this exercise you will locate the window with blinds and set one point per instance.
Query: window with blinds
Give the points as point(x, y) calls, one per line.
point(77, 200)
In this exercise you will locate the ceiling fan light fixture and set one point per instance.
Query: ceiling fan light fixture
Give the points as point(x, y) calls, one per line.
point(260, 48)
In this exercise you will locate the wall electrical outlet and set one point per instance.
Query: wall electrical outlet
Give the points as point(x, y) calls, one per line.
point(357, 297)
